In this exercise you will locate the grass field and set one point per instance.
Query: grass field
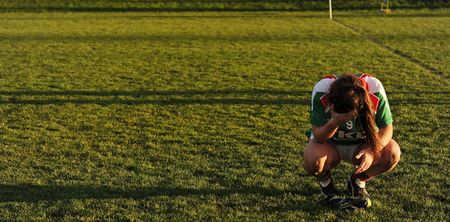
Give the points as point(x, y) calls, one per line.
point(201, 116)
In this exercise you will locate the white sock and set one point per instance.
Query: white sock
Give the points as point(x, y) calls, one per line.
point(360, 184)
point(325, 183)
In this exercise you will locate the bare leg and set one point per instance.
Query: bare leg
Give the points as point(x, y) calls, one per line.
point(319, 158)
point(389, 157)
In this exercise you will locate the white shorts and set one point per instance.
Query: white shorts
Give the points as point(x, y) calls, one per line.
point(347, 151)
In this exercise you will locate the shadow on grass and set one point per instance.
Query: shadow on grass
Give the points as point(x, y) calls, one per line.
point(243, 97)
point(34, 193)
point(243, 15)
point(152, 9)
point(241, 37)
point(183, 38)
point(155, 93)
point(194, 97)
point(162, 102)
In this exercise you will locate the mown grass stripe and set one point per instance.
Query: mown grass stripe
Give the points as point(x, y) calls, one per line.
point(234, 101)
point(145, 93)
point(397, 52)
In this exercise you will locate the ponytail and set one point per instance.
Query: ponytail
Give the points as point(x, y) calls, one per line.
point(367, 119)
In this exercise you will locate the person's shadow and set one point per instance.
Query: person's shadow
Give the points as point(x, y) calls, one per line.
point(34, 193)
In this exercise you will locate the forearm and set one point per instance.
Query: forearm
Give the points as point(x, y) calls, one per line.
point(325, 132)
point(386, 134)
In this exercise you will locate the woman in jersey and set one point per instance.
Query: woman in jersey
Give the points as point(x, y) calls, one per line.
point(351, 121)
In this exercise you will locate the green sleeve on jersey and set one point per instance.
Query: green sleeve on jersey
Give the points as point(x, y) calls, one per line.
point(383, 116)
point(318, 117)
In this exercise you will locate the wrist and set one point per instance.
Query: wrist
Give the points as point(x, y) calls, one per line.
point(369, 151)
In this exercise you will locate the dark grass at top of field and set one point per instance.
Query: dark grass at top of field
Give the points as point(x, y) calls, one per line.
point(206, 5)
point(201, 116)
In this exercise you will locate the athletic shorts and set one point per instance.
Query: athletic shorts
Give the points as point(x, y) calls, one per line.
point(347, 151)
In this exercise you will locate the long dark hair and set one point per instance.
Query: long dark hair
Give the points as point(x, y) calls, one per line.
point(348, 93)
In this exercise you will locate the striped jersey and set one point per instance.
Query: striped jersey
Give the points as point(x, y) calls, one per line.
point(350, 132)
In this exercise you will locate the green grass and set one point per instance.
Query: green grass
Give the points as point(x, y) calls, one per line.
point(423, 38)
point(201, 116)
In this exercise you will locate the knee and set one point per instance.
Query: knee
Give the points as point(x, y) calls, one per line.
point(395, 155)
point(392, 154)
point(314, 167)
point(319, 158)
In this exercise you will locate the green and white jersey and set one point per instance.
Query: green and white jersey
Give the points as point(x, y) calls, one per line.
point(350, 132)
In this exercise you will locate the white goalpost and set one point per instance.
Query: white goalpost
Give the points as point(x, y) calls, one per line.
point(330, 6)
point(385, 7)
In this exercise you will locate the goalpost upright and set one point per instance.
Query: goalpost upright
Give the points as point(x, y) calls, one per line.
point(384, 7)
point(330, 6)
